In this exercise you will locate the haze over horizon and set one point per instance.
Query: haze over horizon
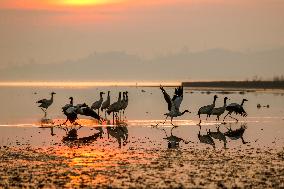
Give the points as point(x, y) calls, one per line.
point(143, 40)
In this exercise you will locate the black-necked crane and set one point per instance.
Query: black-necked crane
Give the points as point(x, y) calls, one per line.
point(237, 109)
point(173, 104)
point(97, 105)
point(64, 108)
point(71, 112)
point(124, 102)
point(115, 107)
point(207, 109)
point(45, 103)
point(106, 103)
point(219, 111)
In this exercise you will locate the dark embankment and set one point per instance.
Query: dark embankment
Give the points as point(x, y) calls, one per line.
point(237, 84)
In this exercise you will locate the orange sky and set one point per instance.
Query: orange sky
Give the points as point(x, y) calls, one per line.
point(50, 31)
point(47, 4)
point(61, 4)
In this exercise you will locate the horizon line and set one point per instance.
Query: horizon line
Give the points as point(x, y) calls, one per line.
point(87, 84)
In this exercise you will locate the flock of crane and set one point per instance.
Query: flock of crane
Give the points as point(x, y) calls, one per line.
point(175, 102)
point(72, 111)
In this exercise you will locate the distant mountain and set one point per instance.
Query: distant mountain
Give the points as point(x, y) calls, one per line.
point(214, 64)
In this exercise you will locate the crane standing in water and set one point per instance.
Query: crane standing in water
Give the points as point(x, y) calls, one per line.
point(237, 109)
point(45, 103)
point(219, 111)
point(115, 107)
point(124, 103)
point(106, 103)
point(97, 105)
point(207, 109)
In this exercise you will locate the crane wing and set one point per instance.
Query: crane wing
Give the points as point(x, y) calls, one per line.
point(178, 97)
point(177, 102)
point(42, 101)
point(89, 112)
point(167, 98)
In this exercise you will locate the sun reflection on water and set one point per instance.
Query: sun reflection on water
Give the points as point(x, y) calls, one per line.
point(89, 165)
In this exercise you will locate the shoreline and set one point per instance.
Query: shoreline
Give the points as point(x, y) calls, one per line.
point(236, 85)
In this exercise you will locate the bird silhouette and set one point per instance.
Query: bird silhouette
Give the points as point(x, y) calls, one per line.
point(45, 103)
point(106, 103)
point(173, 104)
point(207, 109)
point(237, 109)
point(115, 107)
point(97, 105)
point(219, 111)
point(124, 102)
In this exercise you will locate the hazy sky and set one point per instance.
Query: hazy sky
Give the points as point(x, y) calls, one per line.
point(48, 31)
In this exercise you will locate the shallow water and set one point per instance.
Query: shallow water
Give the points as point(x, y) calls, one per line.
point(134, 153)
point(20, 118)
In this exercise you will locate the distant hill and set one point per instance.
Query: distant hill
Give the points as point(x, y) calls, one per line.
point(214, 64)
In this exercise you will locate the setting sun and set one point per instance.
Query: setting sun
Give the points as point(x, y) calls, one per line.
point(85, 2)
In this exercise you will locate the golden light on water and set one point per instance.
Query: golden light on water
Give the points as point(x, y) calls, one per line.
point(87, 84)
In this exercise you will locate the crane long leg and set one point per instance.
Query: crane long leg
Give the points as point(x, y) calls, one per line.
point(51, 131)
point(161, 122)
point(105, 114)
point(199, 119)
point(243, 141)
point(199, 122)
point(113, 118)
point(45, 113)
point(172, 122)
point(124, 118)
point(108, 127)
point(64, 122)
point(226, 116)
point(75, 123)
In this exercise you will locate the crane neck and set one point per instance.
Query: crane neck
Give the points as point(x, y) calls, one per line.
point(225, 102)
point(101, 96)
point(214, 101)
point(119, 97)
point(184, 112)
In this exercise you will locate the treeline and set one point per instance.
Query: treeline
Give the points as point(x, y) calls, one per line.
point(275, 78)
point(276, 83)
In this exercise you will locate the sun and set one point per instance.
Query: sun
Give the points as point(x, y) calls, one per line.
point(85, 2)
